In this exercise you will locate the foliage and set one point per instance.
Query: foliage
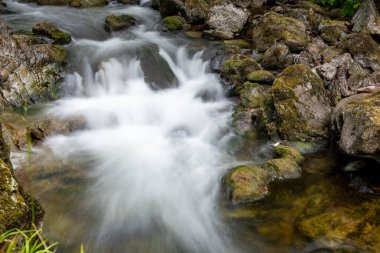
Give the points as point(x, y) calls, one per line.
point(349, 7)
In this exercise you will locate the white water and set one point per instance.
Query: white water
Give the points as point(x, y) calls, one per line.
point(156, 156)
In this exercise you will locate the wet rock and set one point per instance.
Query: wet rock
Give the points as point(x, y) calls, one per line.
point(194, 11)
point(274, 28)
point(367, 18)
point(130, 2)
point(301, 104)
point(73, 3)
point(227, 19)
point(277, 57)
point(288, 152)
point(235, 70)
point(51, 31)
point(29, 73)
point(174, 23)
point(119, 22)
point(363, 49)
point(333, 30)
point(246, 184)
point(356, 121)
point(283, 168)
point(15, 205)
point(261, 76)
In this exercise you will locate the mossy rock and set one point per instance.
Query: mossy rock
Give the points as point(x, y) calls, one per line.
point(283, 168)
point(288, 152)
point(174, 23)
point(119, 22)
point(261, 76)
point(275, 28)
point(245, 184)
point(87, 3)
point(333, 30)
point(51, 31)
point(301, 105)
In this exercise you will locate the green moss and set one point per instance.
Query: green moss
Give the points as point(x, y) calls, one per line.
point(119, 22)
point(283, 167)
point(288, 152)
point(51, 31)
point(174, 23)
point(261, 76)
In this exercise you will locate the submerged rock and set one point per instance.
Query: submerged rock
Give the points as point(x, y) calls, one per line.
point(356, 120)
point(275, 28)
point(119, 22)
point(51, 31)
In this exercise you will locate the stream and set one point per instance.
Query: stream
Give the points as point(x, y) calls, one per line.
point(144, 172)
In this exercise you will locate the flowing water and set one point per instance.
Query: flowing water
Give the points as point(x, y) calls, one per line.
point(143, 173)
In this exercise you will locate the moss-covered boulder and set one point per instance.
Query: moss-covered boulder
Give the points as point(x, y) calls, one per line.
point(363, 48)
point(119, 22)
point(275, 28)
point(332, 30)
point(174, 23)
point(261, 76)
point(283, 168)
point(356, 120)
point(301, 104)
point(194, 11)
point(277, 57)
point(15, 205)
point(51, 31)
point(235, 70)
point(245, 184)
point(288, 152)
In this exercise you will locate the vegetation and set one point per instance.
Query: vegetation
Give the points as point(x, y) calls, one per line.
point(349, 7)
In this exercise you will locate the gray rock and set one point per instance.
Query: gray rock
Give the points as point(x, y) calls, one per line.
point(367, 18)
point(276, 57)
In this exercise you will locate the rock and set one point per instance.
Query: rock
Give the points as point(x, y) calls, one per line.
point(332, 30)
point(363, 49)
point(73, 3)
point(367, 18)
point(235, 70)
point(15, 205)
point(129, 2)
point(29, 73)
point(227, 19)
point(51, 31)
point(119, 22)
point(174, 23)
point(4, 29)
point(194, 11)
point(217, 35)
point(288, 152)
point(245, 184)
point(356, 121)
point(261, 76)
point(312, 54)
point(283, 168)
point(277, 57)
point(274, 28)
point(301, 105)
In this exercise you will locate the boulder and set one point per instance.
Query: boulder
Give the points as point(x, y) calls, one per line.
point(312, 54)
point(261, 76)
point(73, 3)
point(367, 18)
point(274, 28)
point(51, 31)
point(174, 23)
point(29, 72)
point(301, 105)
point(288, 152)
point(227, 19)
point(119, 22)
point(331, 31)
point(283, 168)
point(356, 121)
point(194, 11)
point(277, 57)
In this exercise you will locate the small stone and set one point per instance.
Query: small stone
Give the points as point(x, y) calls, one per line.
point(119, 22)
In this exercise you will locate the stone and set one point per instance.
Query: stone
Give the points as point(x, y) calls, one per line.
point(276, 28)
point(331, 31)
point(261, 76)
point(174, 23)
point(367, 18)
point(276, 57)
point(51, 31)
point(227, 19)
point(356, 122)
point(194, 11)
point(288, 152)
point(301, 105)
point(283, 168)
point(119, 22)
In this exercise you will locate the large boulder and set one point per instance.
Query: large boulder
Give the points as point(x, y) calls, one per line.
point(356, 120)
point(275, 28)
point(29, 72)
point(52, 32)
point(367, 18)
point(301, 104)
point(119, 22)
point(227, 19)
point(15, 205)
